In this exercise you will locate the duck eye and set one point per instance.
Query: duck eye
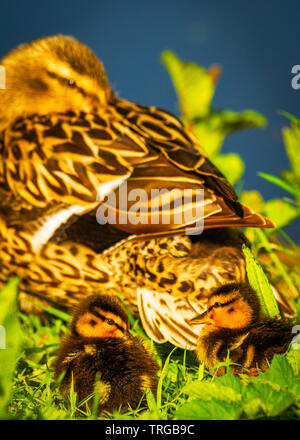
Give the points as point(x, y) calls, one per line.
point(217, 304)
point(71, 83)
point(110, 321)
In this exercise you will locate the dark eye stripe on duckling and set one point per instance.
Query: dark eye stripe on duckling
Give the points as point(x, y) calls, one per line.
point(101, 314)
point(219, 304)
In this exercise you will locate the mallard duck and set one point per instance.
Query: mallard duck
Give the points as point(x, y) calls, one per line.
point(233, 324)
point(99, 355)
point(68, 147)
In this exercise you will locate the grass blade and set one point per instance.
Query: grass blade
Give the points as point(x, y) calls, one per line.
point(52, 311)
point(159, 387)
point(277, 262)
point(279, 182)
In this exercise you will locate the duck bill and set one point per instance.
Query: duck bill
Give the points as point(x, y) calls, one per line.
point(201, 319)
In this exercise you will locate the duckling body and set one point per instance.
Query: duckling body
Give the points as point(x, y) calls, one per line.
point(233, 323)
point(101, 356)
point(253, 347)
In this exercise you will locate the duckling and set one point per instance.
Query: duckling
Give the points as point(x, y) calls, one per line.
point(100, 355)
point(234, 321)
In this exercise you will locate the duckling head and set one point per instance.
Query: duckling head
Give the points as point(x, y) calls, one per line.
point(99, 317)
point(232, 306)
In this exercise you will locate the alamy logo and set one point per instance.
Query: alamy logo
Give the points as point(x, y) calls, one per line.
point(157, 206)
point(296, 78)
point(2, 77)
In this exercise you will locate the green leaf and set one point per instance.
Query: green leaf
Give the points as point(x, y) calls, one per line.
point(253, 199)
point(291, 138)
point(262, 396)
point(208, 390)
point(210, 139)
point(10, 351)
point(231, 122)
point(228, 380)
point(293, 356)
point(280, 212)
point(261, 285)
point(289, 177)
point(194, 85)
point(281, 374)
point(208, 410)
point(212, 129)
point(195, 88)
point(231, 165)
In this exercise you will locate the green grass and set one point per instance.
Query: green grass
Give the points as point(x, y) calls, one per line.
point(186, 390)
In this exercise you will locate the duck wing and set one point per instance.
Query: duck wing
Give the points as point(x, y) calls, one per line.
point(79, 160)
point(178, 165)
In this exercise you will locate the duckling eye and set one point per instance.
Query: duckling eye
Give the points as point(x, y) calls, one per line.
point(71, 83)
point(93, 322)
point(217, 304)
point(110, 321)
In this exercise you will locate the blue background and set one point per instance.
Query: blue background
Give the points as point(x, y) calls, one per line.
point(256, 42)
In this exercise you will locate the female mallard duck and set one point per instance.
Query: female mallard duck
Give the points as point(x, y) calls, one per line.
point(233, 322)
point(100, 356)
point(68, 147)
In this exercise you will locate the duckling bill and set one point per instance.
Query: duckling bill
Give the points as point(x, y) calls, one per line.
point(233, 322)
point(100, 355)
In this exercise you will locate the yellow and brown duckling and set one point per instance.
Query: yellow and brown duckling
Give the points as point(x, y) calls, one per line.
point(233, 322)
point(101, 356)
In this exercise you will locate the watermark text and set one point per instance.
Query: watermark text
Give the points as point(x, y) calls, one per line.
point(296, 79)
point(156, 206)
